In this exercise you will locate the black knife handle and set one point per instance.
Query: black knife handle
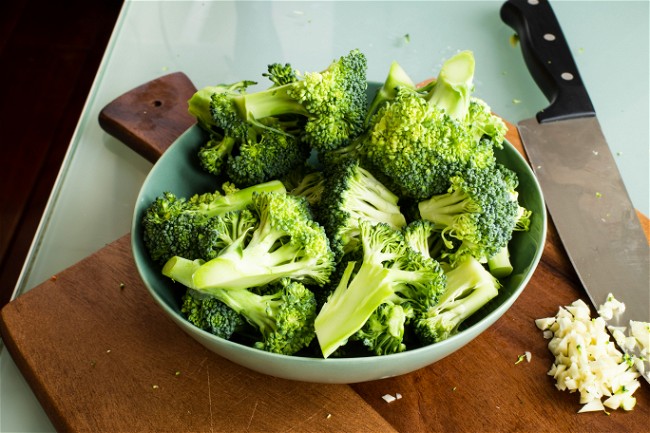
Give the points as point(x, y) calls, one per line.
point(549, 59)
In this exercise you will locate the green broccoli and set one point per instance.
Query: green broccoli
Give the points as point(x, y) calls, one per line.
point(469, 287)
point(397, 79)
point(210, 314)
point(172, 225)
point(420, 139)
point(246, 152)
point(425, 237)
point(476, 216)
point(286, 242)
point(309, 185)
point(383, 332)
point(281, 74)
point(332, 102)
point(352, 194)
point(282, 315)
point(389, 272)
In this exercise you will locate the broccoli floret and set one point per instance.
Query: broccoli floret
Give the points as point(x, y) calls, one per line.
point(286, 242)
point(283, 315)
point(424, 237)
point(172, 225)
point(266, 153)
point(352, 194)
point(469, 287)
point(419, 139)
point(383, 333)
point(332, 102)
point(247, 152)
point(210, 314)
point(389, 272)
point(476, 216)
point(219, 233)
point(281, 74)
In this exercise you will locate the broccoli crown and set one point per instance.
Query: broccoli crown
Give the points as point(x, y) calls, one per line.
point(200, 104)
point(469, 287)
point(219, 233)
point(389, 272)
point(383, 332)
point(172, 225)
point(332, 102)
point(210, 314)
point(351, 195)
point(286, 242)
point(284, 314)
point(265, 153)
point(478, 212)
point(250, 152)
point(419, 140)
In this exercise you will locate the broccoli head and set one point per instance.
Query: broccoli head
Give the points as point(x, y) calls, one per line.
point(476, 216)
point(351, 195)
point(246, 152)
point(210, 314)
point(283, 314)
point(389, 272)
point(419, 139)
point(332, 102)
point(173, 225)
point(286, 242)
point(469, 287)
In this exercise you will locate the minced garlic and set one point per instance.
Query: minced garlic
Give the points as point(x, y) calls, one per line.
point(586, 360)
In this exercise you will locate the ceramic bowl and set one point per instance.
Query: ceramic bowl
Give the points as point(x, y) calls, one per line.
point(178, 171)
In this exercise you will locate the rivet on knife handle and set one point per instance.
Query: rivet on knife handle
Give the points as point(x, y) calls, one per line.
point(549, 59)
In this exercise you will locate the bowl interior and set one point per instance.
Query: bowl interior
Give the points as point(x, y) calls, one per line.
point(177, 171)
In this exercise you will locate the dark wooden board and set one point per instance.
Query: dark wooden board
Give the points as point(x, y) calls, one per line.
point(102, 357)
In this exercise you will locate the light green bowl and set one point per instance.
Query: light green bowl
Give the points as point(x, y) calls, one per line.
point(178, 171)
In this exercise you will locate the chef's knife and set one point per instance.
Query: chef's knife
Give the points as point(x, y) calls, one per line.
point(582, 187)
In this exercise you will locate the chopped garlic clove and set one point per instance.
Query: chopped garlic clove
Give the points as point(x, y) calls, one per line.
point(592, 406)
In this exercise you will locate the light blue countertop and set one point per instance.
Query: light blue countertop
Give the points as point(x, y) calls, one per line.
point(224, 41)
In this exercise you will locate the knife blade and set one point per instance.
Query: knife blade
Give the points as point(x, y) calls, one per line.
point(584, 193)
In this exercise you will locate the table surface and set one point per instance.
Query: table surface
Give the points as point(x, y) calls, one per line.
point(92, 201)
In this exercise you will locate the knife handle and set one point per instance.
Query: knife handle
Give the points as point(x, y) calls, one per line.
point(549, 59)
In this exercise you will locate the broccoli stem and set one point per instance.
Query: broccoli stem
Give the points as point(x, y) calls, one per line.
point(469, 287)
point(349, 307)
point(453, 87)
point(181, 270)
point(443, 209)
point(397, 78)
point(258, 310)
point(274, 101)
point(499, 264)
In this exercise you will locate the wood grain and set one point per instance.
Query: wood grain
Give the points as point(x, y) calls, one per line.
point(101, 357)
point(99, 349)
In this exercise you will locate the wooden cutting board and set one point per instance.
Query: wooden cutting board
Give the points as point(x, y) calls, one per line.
point(100, 356)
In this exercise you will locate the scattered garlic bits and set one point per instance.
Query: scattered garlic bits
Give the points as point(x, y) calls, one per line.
point(636, 340)
point(587, 361)
point(389, 398)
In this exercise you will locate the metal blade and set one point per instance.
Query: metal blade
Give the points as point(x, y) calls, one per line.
point(592, 211)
